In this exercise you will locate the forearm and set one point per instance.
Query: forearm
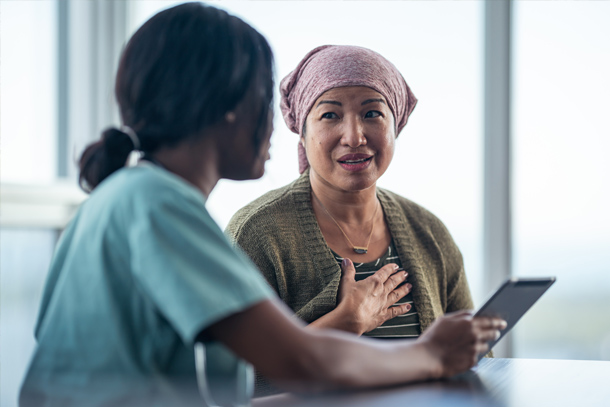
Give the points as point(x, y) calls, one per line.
point(305, 360)
point(346, 362)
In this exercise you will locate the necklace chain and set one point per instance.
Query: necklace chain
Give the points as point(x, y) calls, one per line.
point(357, 249)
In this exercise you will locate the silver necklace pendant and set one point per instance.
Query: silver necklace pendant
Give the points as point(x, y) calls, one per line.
point(361, 250)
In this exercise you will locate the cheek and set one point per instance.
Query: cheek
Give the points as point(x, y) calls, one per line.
point(317, 144)
point(390, 154)
point(391, 145)
point(324, 150)
point(387, 144)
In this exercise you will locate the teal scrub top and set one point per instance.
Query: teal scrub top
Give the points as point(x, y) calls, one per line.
point(140, 271)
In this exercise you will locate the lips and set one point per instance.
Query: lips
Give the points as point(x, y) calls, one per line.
point(354, 158)
point(355, 162)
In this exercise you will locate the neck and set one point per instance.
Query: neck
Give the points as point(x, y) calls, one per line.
point(194, 160)
point(347, 207)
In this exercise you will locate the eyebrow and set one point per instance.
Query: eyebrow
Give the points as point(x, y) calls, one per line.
point(330, 102)
point(372, 101)
point(334, 102)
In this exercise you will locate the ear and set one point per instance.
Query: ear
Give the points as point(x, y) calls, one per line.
point(302, 155)
point(230, 117)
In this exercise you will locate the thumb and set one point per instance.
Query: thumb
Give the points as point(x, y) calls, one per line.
point(461, 313)
point(348, 272)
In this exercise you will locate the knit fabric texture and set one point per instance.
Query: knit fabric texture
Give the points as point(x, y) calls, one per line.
point(280, 233)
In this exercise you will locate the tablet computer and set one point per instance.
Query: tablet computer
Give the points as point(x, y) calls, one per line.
point(512, 300)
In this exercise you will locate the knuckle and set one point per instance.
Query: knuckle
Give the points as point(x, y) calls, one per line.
point(378, 284)
point(474, 336)
point(471, 326)
point(465, 325)
point(389, 268)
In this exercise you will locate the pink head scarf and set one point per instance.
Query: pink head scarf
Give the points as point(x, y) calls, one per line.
point(335, 66)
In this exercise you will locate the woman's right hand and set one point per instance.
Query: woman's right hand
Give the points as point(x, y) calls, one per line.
point(455, 340)
point(368, 303)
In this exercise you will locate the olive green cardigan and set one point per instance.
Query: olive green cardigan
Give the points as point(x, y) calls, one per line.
point(281, 235)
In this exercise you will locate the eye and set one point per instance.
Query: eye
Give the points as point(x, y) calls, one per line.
point(329, 115)
point(371, 114)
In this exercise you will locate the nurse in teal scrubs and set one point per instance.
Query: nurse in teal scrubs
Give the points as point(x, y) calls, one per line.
point(142, 273)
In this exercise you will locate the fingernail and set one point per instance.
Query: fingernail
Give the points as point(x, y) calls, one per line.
point(406, 274)
point(409, 286)
point(497, 335)
point(396, 267)
point(346, 261)
point(408, 307)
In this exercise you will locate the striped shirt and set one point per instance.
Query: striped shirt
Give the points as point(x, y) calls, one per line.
point(402, 326)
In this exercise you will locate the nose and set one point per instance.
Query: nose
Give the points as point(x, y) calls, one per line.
point(353, 133)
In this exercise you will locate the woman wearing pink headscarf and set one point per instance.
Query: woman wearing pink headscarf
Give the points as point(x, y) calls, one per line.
point(349, 104)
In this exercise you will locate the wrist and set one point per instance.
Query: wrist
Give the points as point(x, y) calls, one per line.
point(347, 319)
point(433, 363)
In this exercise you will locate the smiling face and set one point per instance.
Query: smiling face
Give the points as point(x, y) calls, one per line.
point(349, 138)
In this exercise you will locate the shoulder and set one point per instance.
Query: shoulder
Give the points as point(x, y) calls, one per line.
point(149, 186)
point(157, 185)
point(273, 211)
point(402, 209)
point(411, 209)
point(141, 196)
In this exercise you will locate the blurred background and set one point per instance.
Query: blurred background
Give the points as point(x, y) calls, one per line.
point(57, 63)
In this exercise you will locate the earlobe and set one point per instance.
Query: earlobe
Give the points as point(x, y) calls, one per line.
point(230, 117)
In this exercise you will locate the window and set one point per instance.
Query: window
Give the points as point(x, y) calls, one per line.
point(28, 71)
point(26, 254)
point(29, 89)
point(561, 174)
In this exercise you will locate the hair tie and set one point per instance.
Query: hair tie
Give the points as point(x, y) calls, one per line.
point(133, 136)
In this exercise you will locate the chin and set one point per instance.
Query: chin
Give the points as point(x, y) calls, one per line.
point(360, 186)
point(258, 175)
point(258, 171)
point(250, 174)
point(354, 185)
point(359, 182)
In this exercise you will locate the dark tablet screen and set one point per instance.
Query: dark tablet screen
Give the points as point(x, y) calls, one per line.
point(512, 300)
